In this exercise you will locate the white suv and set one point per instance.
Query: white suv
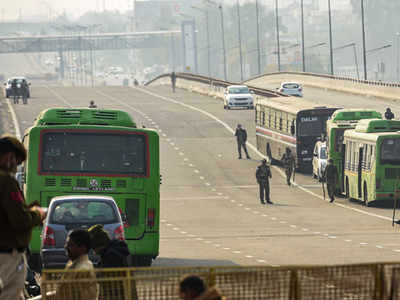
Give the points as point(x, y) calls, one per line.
point(238, 96)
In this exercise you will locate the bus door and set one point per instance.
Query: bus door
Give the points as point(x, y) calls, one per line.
point(359, 171)
point(342, 162)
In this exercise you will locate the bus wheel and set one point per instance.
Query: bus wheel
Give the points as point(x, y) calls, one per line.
point(365, 192)
point(139, 260)
point(347, 192)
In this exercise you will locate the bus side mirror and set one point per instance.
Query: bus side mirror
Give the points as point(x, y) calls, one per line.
point(292, 130)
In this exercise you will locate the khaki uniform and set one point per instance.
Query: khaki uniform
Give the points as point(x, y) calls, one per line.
point(75, 290)
point(288, 162)
point(16, 224)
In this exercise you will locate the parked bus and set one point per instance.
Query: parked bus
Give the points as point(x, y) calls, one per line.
point(96, 151)
point(342, 120)
point(294, 123)
point(372, 160)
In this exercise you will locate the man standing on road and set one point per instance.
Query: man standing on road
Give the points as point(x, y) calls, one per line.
point(17, 220)
point(388, 114)
point(330, 176)
point(173, 81)
point(241, 138)
point(288, 163)
point(263, 174)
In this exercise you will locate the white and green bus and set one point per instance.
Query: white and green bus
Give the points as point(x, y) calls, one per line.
point(342, 120)
point(372, 160)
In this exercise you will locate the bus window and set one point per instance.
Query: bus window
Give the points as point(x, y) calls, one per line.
point(280, 123)
point(339, 139)
point(263, 118)
point(310, 126)
point(390, 150)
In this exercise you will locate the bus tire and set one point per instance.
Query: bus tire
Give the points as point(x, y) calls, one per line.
point(139, 260)
point(365, 194)
point(347, 192)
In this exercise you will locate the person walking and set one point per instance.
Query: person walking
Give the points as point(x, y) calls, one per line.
point(77, 246)
point(14, 88)
point(288, 163)
point(388, 114)
point(17, 220)
point(241, 138)
point(173, 81)
point(263, 174)
point(330, 176)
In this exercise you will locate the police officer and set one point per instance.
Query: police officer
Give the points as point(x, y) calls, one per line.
point(330, 176)
point(92, 104)
point(173, 81)
point(388, 114)
point(14, 88)
point(17, 220)
point(241, 138)
point(263, 174)
point(288, 163)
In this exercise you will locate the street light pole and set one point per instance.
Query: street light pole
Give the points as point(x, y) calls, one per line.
point(330, 36)
point(223, 39)
point(397, 57)
point(355, 60)
point(277, 35)
point(240, 42)
point(302, 36)
point(258, 40)
point(208, 45)
point(363, 40)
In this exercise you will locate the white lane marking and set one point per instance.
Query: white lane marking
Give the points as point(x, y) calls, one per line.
point(14, 119)
point(175, 228)
point(183, 232)
point(282, 222)
point(176, 148)
point(196, 171)
point(208, 184)
point(185, 159)
point(332, 237)
point(261, 261)
point(61, 97)
point(191, 165)
point(249, 256)
point(379, 246)
point(236, 252)
point(264, 215)
point(227, 248)
point(363, 244)
point(164, 135)
point(396, 250)
point(217, 245)
point(207, 242)
point(247, 208)
point(181, 153)
point(261, 155)
point(201, 177)
point(219, 194)
point(293, 226)
point(348, 241)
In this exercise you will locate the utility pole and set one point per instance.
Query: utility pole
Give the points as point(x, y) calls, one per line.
point(302, 36)
point(363, 40)
point(277, 36)
point(330, 37)
point(240, 42)
point(223, 39)
point(258, 40)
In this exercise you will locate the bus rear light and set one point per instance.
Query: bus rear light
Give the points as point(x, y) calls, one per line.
point(48, 237)
point(378, 183)
point(150, 217)
point(119, 233)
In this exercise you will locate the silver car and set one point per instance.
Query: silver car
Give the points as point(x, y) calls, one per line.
point(66, 213)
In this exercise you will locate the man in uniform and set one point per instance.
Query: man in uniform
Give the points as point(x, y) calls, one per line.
point(263, 174)
point(14, 88)
point(288, 163)
point(330, 176)
point(92, 104)
point(388, 114)
point(173, 81)
point(241, 138)
point(17, 220)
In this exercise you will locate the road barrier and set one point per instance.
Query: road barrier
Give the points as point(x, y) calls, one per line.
point(358, 281)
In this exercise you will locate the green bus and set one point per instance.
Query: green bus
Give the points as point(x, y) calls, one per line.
point(372, 160)
point(97, 151)
point(342, 120)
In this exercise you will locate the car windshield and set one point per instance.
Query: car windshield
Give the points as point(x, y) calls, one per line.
point(83, 211)
point(323, 154)
point(290, 86)
point(239, 90)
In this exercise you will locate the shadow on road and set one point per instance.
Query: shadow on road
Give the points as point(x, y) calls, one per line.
point(181, 262)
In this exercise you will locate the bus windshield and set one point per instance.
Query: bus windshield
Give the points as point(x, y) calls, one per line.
point(390, 150)
point(93, 152)
point(310, 126)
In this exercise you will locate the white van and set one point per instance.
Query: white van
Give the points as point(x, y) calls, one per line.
point(320, 159)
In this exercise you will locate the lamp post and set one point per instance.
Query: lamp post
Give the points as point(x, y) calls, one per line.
point(258, 40)
point(363, 40)
point(397, 57)
point(205, 11)
point(277, 36)
point(302, 36)
point(240, 41)
point(355, 55)
point(330, 36)
point(194, 33)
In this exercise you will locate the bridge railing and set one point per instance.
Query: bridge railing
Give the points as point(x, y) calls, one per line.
point(359, 281)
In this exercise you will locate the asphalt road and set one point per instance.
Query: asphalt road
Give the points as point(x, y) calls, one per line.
point(210, 212)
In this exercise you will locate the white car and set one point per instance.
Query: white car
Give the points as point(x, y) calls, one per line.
point(320, 159)
point(291, 89)
point(238, 96)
